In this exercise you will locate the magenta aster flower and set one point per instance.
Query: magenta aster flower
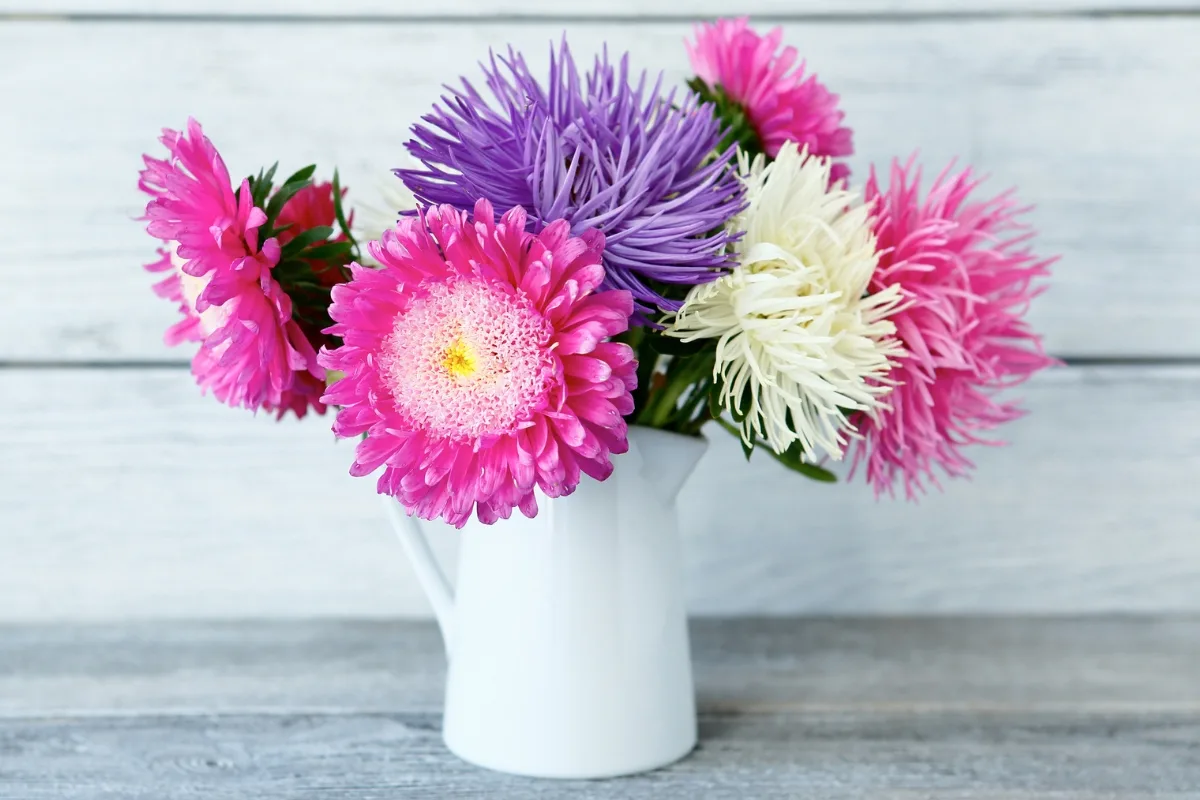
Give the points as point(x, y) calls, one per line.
point(967, 278)
point(476, 361)
point(610, 152)
point(779, 101)
point(252, 354)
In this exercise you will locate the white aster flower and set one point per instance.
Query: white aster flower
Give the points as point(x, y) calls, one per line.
point(799, 340)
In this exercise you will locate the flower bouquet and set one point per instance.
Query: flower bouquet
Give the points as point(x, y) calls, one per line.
point(590, 269)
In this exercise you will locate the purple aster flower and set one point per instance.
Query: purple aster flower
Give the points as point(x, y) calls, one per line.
point(604, 153)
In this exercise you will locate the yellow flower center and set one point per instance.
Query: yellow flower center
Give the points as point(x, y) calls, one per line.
point(460, 359)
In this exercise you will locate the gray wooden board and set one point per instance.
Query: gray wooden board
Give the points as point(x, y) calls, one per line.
point(1087, 116)
point(127, 494)
point(874, 708)
point(750, 665)
point(358, 755)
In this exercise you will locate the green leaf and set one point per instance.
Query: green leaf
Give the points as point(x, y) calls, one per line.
point(300, 175)
point(338, 211)
point(739, 411)
point(303, 240)
point(671, 346)
point(793, 459)
point(280, 198)
point(694, 413)
point(260, 186)
point(647, 363)
point(736, 431)
point(291, 267)
point(308, 287)
point(714, 400)
point(738, 128)
point(717, 405)
point(747, 449)
point(332, 251)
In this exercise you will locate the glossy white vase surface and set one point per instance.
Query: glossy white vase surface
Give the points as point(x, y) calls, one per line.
point(567, 633)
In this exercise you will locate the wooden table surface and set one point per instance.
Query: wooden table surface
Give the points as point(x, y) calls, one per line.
point(790, 708)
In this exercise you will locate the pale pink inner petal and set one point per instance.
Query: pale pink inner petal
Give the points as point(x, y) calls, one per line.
point(213, 317)
point(468, 359)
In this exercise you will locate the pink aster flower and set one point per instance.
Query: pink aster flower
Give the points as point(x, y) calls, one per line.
point(252, 354)
point(782, 104)
point(312, 207)
point(477, 362)
point(308, 208)
point(967, 277)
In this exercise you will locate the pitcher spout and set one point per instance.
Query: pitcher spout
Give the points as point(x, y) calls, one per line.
point(668, 459)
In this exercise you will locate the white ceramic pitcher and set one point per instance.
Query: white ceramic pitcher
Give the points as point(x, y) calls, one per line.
point(567, 634)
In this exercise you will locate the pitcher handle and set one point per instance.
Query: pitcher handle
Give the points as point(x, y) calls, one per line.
point(429, 573)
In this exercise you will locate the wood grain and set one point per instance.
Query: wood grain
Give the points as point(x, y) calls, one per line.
point(789, 708)
point(746, 665)
point(1084, 115)
point(631, 9)
point(126, 495)
point(785, 756)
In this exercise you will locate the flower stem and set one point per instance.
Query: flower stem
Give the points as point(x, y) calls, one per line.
point(729, 426)
point(662, 403)
point(663, 410)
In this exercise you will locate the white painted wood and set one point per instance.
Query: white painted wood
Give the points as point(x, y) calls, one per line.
point(1087, 116)
point(125, 495)
point(389, 9)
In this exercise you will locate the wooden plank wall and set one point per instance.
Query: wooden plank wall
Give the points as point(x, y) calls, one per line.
point(123, 494)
